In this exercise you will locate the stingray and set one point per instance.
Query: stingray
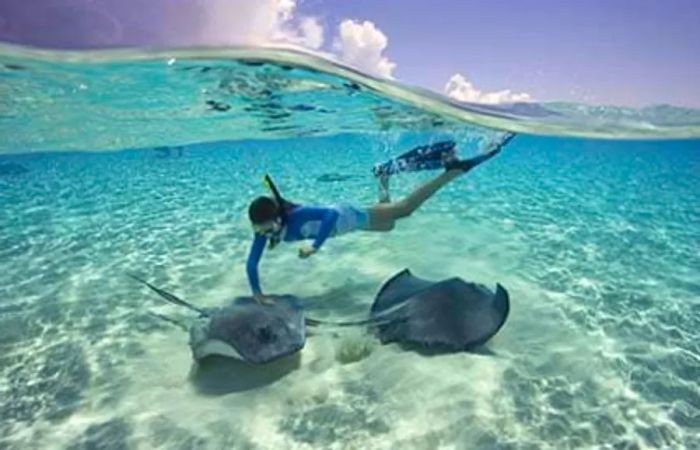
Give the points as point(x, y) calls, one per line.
point(243, 329)
point(447, 315)
point(331, 177)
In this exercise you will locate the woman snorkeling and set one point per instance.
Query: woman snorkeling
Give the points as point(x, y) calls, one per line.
point(276, 220)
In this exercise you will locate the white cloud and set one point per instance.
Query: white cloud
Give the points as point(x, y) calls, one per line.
point(252, 22)
point(459, 88)
point(312, 32)
point(306, 32)
point(361, 45)
point(186, 23)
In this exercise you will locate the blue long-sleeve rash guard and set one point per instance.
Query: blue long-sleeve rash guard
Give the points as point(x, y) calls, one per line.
point(303, 222)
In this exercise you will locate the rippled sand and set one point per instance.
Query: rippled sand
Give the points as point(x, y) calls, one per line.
point(597, 243)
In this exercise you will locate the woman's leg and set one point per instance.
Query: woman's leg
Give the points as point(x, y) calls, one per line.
point(424, 157)
point(383, 185)
point(383, 215)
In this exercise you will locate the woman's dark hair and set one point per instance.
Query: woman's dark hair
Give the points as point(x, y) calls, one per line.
point(263, 209)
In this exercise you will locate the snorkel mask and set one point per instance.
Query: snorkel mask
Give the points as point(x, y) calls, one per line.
point(274, 235)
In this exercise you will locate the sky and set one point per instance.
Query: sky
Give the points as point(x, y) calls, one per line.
point(620, 52)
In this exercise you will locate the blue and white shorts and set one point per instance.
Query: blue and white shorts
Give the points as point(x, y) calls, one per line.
point(351, 218)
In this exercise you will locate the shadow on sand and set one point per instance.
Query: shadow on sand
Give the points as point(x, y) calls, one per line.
point(218, 375)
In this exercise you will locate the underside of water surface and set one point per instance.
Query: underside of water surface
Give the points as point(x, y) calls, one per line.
point(122, 162)
point(112, 100)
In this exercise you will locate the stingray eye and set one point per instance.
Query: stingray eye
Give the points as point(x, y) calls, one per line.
point(265, 334)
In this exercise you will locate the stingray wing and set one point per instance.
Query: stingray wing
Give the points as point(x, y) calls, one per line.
point(397, 290)
point(451, 314)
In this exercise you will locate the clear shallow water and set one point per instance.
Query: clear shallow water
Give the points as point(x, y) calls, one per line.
point(597, 242)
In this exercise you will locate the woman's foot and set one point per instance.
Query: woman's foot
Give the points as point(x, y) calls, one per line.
point(493, 148)
point(499, 142)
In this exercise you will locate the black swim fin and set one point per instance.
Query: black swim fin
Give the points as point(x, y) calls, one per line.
point(423, 157)
point(494, 147)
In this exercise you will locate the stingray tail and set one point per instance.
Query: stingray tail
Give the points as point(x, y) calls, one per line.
point(378, 319)
point(167, 296)
point(331, 323)
point(170, 320)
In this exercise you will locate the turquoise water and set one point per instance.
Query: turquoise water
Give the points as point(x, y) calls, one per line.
point(596, 240)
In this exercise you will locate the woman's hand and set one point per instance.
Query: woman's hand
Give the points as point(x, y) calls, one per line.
point(306, 251)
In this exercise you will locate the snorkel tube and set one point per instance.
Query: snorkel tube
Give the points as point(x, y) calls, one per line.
point(283, 207)
point(278, 198)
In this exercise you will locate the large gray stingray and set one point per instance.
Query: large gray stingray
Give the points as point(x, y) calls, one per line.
point(449, 315)
point(243, 329)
